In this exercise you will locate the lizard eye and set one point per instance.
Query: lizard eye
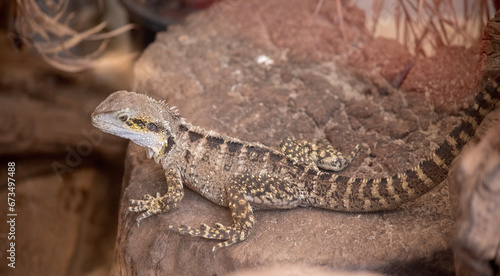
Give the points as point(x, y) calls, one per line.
point(122, 117)
point(152, 127)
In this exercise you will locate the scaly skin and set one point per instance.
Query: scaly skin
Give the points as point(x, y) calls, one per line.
point(243, 176)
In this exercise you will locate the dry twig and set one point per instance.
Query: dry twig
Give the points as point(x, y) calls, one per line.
point(434, 22)
point(47, 30)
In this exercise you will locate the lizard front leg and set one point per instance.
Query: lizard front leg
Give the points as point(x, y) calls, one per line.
point(241, 212)
point(150, 205)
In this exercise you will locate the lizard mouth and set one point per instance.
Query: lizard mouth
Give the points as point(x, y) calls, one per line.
point(100, 121)
point(95, 121)
point(156, 154)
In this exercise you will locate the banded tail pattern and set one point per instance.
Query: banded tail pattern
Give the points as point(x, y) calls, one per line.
point(350, 194)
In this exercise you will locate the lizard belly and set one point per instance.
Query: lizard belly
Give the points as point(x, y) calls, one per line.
point(204, 184)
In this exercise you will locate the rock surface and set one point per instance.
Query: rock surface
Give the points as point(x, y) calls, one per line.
point(259, 71)
point(297, 270)
point(475, 183)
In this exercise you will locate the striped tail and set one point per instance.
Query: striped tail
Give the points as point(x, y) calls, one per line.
point(368, 195)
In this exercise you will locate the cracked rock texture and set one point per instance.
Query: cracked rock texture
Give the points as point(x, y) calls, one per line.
point(262, 70)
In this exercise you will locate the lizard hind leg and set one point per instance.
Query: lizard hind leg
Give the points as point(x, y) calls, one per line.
point(322, 155)
point(298, 151)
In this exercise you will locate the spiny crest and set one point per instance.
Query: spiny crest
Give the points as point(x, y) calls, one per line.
point(206, 133)
point(173, 110)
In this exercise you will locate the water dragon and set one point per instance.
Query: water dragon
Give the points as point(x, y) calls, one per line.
point(245, 176)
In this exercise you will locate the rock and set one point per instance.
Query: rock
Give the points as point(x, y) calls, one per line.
point(264, 71)
point(297, 270)
point(67, 172)
point(71, 218)
point(475, 183)
point(393, 65)
point(306, 236)
point(45, 111)
point(445, 78)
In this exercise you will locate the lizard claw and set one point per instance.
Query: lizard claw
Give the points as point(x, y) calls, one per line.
point(204, 226)
point(149, 204)
point(156, 158)
point(219, 226)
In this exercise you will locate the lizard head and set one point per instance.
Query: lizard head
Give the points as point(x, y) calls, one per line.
point(143, 120)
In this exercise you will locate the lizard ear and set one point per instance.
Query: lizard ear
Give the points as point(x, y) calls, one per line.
point(168, 133)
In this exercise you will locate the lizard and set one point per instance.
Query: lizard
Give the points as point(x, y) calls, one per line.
point(247, 176)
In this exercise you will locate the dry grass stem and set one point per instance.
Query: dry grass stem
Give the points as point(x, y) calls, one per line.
point(47, 30)
point(434, 22)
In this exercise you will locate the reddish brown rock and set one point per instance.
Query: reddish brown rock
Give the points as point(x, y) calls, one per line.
point(475, 183)
point(67, 173)
point(210, 68)
point(297, 270)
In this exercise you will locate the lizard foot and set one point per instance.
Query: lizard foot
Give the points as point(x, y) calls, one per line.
point(332, 160)
point(230, 234)
point(151, 205)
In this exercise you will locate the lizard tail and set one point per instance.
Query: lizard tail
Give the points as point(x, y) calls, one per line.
point(350, 194)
